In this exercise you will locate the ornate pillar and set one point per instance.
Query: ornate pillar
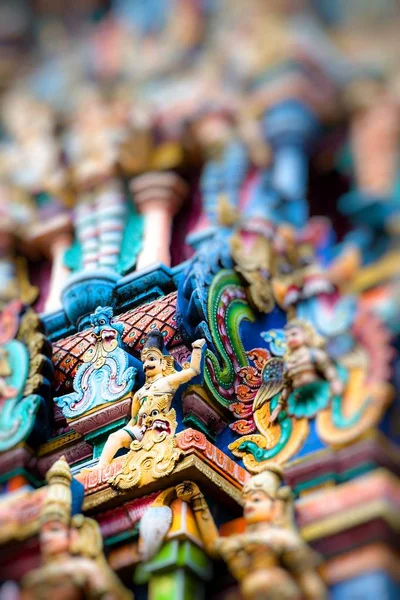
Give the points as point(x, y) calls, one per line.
point(52, 239)
point(181, 568)
point(289, 128)
point(158, 197)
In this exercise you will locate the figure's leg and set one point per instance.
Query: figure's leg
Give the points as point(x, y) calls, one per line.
point(111, 217)
point(116, 441)
point(86, 232)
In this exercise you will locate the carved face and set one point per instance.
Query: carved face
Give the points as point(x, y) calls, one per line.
point(295, 337)
point(54, 538)
point(100, 320)
point(155, 416)
point(258, 507)
point(153, 363)
point(298, 275)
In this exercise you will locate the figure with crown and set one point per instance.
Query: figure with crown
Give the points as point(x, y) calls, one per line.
point(74, 566)
point(270, 560)
point(161, 382)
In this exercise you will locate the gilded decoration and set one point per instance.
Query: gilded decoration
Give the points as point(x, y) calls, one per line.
point(269, 560)
point(297, 380)
point(150, 433)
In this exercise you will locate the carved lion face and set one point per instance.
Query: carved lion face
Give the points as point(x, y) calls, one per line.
point(156, 417)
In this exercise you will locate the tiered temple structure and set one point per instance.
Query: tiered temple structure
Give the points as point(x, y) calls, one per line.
point(199, 266)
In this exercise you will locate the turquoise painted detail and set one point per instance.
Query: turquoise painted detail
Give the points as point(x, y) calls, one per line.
point(276, 340)
point(17, 414)
point(309, 399)
point(130, 247)
point(73, 257)
point(108, 373)
point(131, 242)
point(286, 426)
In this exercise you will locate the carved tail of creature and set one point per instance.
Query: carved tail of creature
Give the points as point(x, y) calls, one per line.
point(227, 307)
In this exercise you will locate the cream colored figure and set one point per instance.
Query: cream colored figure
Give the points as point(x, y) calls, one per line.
point(161, 380)
point(269, 560)
point(74, 566)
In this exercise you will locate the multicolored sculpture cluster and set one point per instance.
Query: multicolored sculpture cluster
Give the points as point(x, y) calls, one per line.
point(199, 218)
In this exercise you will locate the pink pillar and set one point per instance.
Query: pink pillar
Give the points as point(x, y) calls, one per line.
point(158, 197)
point(375, 138)
point(52, 239)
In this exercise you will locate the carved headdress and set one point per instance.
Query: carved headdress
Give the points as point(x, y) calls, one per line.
point(268, 481)
point(154, 342)
point(58, 502)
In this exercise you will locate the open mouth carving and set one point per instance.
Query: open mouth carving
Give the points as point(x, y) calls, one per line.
point(108, 335)
point(161, 426)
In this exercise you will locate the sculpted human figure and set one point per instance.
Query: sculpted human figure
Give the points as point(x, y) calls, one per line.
point(161, 380)
point(74, 566)
point(305, 380)
point(269, 560)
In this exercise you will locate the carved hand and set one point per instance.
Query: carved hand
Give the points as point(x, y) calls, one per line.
point(275, 413)
point(187, 490)
point(199, 343)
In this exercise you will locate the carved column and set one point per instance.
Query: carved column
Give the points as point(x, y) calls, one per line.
point(290, 128)
point(52, 239)
point(181, 568)
point(158, 197)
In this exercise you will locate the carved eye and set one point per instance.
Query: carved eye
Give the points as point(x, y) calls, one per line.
point(144, 416)
point(305, 261)
point(285, 268)
point(102, 322)
point(154, 413)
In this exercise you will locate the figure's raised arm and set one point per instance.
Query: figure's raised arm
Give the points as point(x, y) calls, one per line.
point(187, 374)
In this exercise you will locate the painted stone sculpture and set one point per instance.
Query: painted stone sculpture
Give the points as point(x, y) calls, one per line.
point(25, 373)
point(153, 424)
point(269, 560)
point(107, 374)
point(74, 566)
point(296, 381)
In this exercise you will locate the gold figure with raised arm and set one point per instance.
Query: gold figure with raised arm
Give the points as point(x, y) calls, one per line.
point(161, 380)
point(269, 560)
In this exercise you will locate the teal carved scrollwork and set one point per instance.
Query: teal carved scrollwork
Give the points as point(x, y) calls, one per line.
point(25, 371)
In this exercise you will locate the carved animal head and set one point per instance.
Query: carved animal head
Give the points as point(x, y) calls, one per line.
point(103, 329)
point(157, 418)
point(298, 273)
